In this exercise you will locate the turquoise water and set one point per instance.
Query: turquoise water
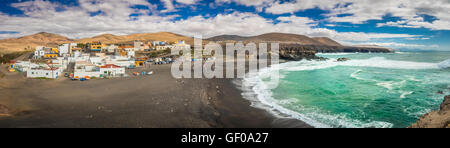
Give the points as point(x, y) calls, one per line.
point(370, 90)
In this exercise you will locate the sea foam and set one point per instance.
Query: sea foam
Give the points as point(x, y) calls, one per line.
point(377, 62)
point(258, 93)
point(444, 64)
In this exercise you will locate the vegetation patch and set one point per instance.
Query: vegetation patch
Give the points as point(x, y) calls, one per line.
point(42, 78)
point(5, 58)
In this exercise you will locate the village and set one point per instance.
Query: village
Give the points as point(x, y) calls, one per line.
point(79, 61)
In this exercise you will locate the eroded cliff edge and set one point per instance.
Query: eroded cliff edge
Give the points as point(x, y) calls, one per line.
point(436, 119)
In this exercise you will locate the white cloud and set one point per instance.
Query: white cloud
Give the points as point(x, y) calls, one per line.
point(77, 22)
point(359, 11)
point(299, 5)
point(187, 2)
point(168, 4)
point(401, 45)
point(258, 4)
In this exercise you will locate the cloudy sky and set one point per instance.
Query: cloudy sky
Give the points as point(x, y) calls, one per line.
point(412, 24)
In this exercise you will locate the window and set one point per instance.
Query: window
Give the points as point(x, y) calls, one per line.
point(46, 74)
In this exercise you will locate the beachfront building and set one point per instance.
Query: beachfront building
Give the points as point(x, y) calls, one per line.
point(84, 69)
point(111, 70)
point(121, 61)
point(23, 66)
point(50, 73)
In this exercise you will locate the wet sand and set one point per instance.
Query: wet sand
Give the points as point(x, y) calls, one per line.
point(157, 101)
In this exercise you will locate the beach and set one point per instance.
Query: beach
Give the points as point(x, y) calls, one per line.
point(156, 101)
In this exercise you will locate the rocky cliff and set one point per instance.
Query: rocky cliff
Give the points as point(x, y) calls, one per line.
point(331, 49)
point(436, 119)
point(295, 52)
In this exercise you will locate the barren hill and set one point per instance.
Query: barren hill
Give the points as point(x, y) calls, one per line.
point(228, 38)
point(160, 36)
point(273, 37)
point(30, 41)
point(327, 41)
point(48, 39)
point(299, 44)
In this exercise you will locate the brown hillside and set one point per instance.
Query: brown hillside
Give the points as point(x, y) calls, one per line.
point(327, 41)
point(52, 40)
point(161, 36)
point(30, 41)
point(284, 38)
point(277, 37)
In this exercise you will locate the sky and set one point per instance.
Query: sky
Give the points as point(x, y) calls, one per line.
point(401, 24)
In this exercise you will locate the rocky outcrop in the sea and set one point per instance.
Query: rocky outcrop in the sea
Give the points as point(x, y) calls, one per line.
point(342, 59)
point(436, 119)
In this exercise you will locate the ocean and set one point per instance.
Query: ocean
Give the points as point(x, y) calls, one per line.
point(380, 90)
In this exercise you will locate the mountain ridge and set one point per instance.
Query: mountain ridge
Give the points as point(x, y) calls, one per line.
point(29, 42)
point(285, 38)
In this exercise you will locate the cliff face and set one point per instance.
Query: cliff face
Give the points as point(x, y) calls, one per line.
point(331, 49)
point(295, 52)
point(436, 119)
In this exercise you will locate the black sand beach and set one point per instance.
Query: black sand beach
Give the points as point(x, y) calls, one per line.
point(157, 101)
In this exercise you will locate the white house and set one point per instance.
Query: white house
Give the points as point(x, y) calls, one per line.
point(51, 73)
point(111, 70)
point(96, 60)
point(110, 49)
point(138, 46)
point(39, 53)
point(23, 66)
point(85, 69)
point(120, 61)
point(63, 49)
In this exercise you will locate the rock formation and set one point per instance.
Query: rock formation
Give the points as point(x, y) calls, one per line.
point(436, 119)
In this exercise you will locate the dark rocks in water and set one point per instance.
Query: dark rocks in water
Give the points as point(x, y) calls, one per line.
point(436, 119)
point(440, 92)
point(342, 59)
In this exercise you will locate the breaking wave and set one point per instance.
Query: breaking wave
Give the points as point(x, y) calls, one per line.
point(258, 93)
point(377, 62)
point(444, 64)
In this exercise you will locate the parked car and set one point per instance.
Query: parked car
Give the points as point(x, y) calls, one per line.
point(83, 79)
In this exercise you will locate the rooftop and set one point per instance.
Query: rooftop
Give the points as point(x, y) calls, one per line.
point(110, 66)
